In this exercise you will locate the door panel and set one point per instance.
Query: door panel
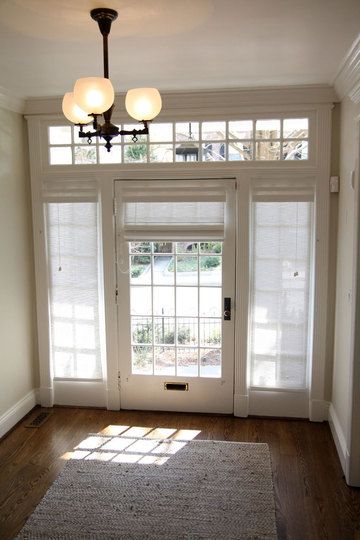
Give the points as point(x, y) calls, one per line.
point(171, 323)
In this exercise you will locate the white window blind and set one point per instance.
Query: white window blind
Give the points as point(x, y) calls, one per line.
point(154, 211)
point(280, 295)
point(72, 242)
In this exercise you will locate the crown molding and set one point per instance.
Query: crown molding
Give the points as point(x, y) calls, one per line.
point(347, 80)
point(224, 100)
point(10, 102)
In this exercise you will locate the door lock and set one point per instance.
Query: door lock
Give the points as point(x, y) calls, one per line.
point(227, 309)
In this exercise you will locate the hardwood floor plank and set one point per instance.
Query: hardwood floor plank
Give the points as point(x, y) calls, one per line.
point(312, 499)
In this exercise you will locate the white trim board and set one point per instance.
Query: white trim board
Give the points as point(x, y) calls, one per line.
point(80, 393)
point(338, 436)
point(13, 415)
point(275, 402)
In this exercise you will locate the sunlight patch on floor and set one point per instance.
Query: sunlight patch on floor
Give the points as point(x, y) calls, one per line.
point(132, 444)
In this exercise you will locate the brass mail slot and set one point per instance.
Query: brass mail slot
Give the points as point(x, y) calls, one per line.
point(176, 386)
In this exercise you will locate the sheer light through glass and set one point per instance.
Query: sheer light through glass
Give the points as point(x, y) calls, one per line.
point(73, 112)
point(143, 103)
point(94, 94)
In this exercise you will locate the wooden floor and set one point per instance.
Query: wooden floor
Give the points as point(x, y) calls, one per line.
point(312, 498)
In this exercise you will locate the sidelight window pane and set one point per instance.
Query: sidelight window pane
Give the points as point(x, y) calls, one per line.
point(72, 245)
point(280, 309)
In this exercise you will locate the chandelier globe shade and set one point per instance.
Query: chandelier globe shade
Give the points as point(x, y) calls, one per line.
point(73, 112)
point(94, 95)
point(143, 103)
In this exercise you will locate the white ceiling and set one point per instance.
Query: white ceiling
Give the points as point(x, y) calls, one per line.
point(175, 44)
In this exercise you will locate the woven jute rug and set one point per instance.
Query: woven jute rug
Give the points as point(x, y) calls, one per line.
point(151, 489)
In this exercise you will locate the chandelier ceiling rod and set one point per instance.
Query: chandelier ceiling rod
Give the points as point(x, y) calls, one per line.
point(94, 96)
point(104, 17)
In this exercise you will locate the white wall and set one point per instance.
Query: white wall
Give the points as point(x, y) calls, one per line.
point(18, 372)
point(341, 408)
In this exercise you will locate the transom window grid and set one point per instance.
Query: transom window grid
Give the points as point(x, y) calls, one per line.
point(279, 139)
point(168, 340)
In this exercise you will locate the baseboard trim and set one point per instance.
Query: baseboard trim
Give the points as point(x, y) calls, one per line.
point(318, 410)
point(241, 405)
point(339, 438)
point(13, 415)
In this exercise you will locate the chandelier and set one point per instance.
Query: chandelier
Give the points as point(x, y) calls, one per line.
point(94, 96)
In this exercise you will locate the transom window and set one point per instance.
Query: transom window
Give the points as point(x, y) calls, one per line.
point(234, 140)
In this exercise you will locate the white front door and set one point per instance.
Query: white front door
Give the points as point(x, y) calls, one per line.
point(176, 318)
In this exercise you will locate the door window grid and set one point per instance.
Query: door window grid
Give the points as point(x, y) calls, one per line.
point(175, 342)
point(235, 140)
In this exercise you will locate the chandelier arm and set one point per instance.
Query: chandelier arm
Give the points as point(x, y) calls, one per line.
point(135, 132)
point(89, 134)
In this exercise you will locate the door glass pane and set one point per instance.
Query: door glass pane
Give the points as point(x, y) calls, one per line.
point(210, 302)
point(164, 330)
point(163, 270)
point(142, 359)
point(211, 247)
point(186, 301)
point(141, 330)
point(163, 301)
point(140, 300)
point(164, 358)
point(210, 332)
point(169, 328)
point(187, 331)
point(187, 361)
point(210, 270)
point(210, 362)
point(163, 247)
point(140, 269)
point(186, 270)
